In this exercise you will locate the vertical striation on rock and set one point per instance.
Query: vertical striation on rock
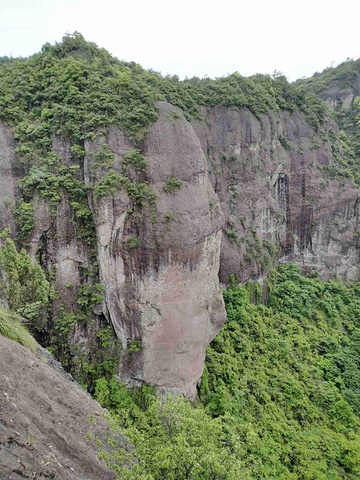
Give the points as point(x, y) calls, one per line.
point(10, 172)
point(270, 173)
point(234, 192)
point(163, 296)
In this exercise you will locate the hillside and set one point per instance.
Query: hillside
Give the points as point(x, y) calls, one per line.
point(340, 87)
point(144, 218)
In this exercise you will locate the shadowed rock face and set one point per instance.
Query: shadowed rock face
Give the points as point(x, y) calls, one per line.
point(270, 176)
point(165, 294)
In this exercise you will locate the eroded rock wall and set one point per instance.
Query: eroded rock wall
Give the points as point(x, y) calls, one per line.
point(271, 174)
point(163, 296)
point(10, 171)
point(249, 191)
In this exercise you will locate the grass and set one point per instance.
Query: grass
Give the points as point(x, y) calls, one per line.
point(11, 326)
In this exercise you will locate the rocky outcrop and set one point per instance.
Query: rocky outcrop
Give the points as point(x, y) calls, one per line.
point(48, 424)
point(271, 174)
point(163, 295)
point(340, 94)
point(263, 181)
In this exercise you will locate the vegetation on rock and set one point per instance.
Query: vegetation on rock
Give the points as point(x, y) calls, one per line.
point(172, 185)
point(23, 285)
point(336, 84)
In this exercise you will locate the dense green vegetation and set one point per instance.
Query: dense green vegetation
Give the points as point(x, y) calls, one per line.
point(74, 89)
point(172, 439)
point(23, 285)
point(344, 76)
point(288, 373)
point(279, 394)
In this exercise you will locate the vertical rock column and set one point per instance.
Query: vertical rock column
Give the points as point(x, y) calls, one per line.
point(163, 296)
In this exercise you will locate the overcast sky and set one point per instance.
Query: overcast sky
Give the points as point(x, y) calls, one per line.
point(194, 37)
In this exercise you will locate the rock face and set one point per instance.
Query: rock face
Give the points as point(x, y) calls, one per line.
point(264, 181)
point(10, 172)
point(340, 95)
point(163, 297)
point(48, 424)
point(271, 176)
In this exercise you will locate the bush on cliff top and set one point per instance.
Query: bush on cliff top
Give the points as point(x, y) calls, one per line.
point(74, 88)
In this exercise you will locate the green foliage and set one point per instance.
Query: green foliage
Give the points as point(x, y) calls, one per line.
point(337, 83)
point(103, 159)
point(172, 185)
point(65, 322)
point(134, 346)
point(98, 356)
point(110, 183)
point(343, 76)
point(75, 89)
point(287, 376)
point(11, 326)
point(89, 296)
point(105, 336)
point(284, 142)
point(132, 243)
point(24, 217)
point(134, 159)
point(23, 285)
point(231, 232)
point(43, 181)
point(141, 194)
point(172, 440)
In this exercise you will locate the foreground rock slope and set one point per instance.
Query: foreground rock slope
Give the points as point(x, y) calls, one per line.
point(47, 422)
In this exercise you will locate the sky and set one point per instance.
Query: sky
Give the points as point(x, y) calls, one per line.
point(194, 37)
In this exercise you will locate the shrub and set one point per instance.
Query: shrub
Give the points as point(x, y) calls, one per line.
point(24, 285)
point(172, 185)
point(24, 217)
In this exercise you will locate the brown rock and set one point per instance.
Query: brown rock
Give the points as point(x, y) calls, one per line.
point(48, 424)
point(166, 293)
point(269, 175)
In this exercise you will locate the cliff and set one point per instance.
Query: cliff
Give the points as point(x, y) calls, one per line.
point(272, 174)
point(159, 268)
point(136, 193)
